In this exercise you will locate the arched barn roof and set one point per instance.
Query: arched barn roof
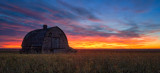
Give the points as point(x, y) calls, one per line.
point(34, 38)
point(56, 27)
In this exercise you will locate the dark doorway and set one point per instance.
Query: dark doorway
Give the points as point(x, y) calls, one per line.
point(55, 43)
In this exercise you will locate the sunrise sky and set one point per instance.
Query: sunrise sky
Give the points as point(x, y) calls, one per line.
point(88, 24)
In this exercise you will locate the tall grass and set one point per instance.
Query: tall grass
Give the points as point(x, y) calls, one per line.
point(91, 62)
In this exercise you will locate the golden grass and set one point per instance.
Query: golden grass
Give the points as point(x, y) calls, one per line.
point(91, 62)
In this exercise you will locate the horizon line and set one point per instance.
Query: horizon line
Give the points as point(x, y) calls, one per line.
point(101, 48)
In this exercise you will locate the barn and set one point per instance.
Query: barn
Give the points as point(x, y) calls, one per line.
point(46, 40)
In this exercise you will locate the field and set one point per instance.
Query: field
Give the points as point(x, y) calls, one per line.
point(81, 62)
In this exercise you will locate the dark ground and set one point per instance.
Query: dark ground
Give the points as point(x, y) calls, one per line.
point(84, 61)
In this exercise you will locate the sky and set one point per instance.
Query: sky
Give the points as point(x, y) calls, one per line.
point(88, 24)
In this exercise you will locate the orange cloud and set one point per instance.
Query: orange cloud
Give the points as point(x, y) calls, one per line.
point(10, 45)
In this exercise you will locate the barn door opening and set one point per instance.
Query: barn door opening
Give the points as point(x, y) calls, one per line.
point(55, 43)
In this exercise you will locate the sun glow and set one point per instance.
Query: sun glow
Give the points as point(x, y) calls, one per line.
point(113, 42)
point(11, 45)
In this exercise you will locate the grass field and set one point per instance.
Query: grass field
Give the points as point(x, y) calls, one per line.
point(81, 62)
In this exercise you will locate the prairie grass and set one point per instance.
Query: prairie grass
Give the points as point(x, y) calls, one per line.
point(87, 62)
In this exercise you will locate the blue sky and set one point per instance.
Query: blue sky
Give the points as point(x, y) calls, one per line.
point(104, 18)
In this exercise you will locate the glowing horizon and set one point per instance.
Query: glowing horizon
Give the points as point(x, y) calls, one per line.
point(87, 42)
point(128, 24)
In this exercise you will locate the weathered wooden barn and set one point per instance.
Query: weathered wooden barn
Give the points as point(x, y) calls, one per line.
point(46, 40)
